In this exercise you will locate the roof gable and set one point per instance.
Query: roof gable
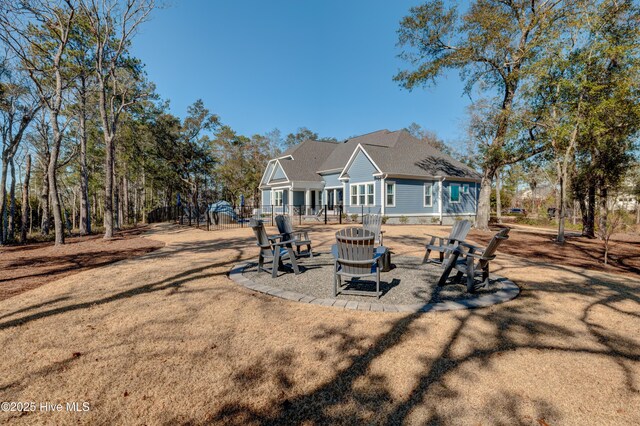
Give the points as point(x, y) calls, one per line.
point(359, 153)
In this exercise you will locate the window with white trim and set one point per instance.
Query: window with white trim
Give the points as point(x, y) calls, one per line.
point(370, 194)
point(390, 194)
point(362, 194)
point(454, 193)
point(428, 194)
point(277, 198)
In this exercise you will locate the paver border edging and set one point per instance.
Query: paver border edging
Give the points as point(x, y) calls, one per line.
point(509, 291)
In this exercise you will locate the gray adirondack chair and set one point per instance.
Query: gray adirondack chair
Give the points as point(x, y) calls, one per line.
point(272, 250)
point(445, 245)
point(356, 257)
point(471, 261)
point(373, 223)
point(296, 238)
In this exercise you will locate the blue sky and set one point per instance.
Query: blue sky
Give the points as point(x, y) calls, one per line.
point(327, 65)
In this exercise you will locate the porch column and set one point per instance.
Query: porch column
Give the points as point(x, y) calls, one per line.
point(440, 190)
point(307, 201)
point(290, 202)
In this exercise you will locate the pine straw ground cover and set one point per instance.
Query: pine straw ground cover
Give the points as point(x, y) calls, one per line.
point(167, 338)
point(25, 267)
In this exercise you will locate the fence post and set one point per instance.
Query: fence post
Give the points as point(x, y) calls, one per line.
point(271, 214)
point(300, 214)
point(325, 214)
point(361, 214)
point(340, 214)
point(241, 217)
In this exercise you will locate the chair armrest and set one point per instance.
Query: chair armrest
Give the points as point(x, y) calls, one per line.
point(436, 236)
point(282, 243)
point(275, 237)
point(472, 248)
point(480, 256)
point(380, 250)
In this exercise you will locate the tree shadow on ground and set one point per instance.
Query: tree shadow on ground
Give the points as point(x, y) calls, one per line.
point(514, 327)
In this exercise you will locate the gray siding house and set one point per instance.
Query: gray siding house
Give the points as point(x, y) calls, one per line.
point(384, 172)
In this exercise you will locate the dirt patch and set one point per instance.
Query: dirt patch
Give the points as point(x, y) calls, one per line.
point(23, 268)
point(539, 245)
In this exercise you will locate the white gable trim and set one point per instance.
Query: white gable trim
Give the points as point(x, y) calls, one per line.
point(274, 170)
point(264, 175)
point(353, 157)
point(283, 157)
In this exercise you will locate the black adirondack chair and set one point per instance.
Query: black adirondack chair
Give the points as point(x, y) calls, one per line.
point(473, 261)
point(297, 239)
point(445, 245)
point(273, 249)
point(355, 257)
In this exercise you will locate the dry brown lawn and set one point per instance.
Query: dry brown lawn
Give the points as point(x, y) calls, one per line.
point(167, 338)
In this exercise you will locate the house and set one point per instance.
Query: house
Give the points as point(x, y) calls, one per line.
point(384, 172)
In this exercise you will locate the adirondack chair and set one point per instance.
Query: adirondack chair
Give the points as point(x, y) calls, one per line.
point(373, 223)
point(273, 250)
point(443, 245)
point(471, 261)
point(296, 238)
point(355, 257)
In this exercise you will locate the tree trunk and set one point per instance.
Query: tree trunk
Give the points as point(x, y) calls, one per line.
point(498, 201)
point(117, 199)
point(85, 217)
point(144, 197)
point(52, 172)
point(12, 203)
point(560, 210)
point(484, 201)
point(25, 201)
point(604, 210)
point(73, 210)
point(108, 189)
point(3, 197)
point(125, 200)
point(44, 201)
point(588, 215)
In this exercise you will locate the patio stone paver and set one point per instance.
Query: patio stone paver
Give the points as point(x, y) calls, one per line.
point(507, 291)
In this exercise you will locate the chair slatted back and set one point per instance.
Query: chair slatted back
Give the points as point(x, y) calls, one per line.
point(355, 244)
point(373, 223)
point(491, 249)
point(460, 229)
point(262, 239)
point(284, 225)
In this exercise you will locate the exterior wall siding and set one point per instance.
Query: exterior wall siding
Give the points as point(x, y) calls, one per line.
point(360, 171)
point(467, 201)
point(331, 180)
point(266, 197)
point(279, 173)
point(410, 197)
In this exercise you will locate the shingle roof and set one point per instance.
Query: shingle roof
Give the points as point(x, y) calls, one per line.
point(395, 153)
point(306, 157)
point(413, 157)
point(339, 157)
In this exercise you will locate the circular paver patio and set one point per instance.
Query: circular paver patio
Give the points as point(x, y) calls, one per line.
point(409, 287)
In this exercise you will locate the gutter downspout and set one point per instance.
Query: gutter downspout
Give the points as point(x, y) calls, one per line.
point(383, 194)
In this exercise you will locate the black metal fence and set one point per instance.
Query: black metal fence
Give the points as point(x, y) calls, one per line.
point(239, 216)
